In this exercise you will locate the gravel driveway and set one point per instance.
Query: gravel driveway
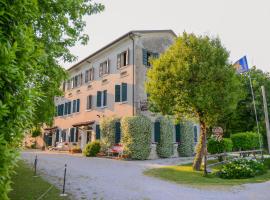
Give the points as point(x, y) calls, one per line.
point(106, 179)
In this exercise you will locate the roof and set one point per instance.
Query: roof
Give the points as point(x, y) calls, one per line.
point(83, 123)
point(128, 34)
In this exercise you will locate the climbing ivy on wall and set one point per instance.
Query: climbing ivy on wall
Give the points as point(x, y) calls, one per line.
point(186, 146)
point(107, 129)
point(136, 136)
point(165, 145)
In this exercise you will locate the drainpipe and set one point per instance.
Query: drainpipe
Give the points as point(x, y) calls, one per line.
point(131, 35)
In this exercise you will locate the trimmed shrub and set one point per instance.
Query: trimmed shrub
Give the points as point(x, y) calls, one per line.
point(215, 146)
point(92, 149)
point(242, 168)
point(136, 136)
point(165, 145)
point(107, 129)
point(245, 141)
point(186, 146)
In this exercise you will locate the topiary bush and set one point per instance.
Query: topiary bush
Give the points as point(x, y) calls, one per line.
point(92, 149)
point(245, 141)
point(186, 146)
point(136, 137)
point(107, 130)
point(165, 145)
point(242, 168)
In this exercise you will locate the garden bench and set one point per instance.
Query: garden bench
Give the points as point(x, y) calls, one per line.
point(116, 149)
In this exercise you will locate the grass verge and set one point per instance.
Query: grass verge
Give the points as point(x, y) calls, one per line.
point(184, 174)
point(27, 187)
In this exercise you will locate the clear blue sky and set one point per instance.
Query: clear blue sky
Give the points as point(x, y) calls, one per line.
point(242, 25)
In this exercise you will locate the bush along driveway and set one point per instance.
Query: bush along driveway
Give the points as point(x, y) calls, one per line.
point(99, 178)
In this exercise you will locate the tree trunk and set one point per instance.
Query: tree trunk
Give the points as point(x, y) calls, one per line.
point(201, 149)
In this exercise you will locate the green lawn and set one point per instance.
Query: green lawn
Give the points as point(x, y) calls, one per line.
point(27, 187)
point(184, 174)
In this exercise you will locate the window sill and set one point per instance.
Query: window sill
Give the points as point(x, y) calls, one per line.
point(123, 67)
point(122, 102)
point(89, 110)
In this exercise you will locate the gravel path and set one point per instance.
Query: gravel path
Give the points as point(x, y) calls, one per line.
point(106, 179)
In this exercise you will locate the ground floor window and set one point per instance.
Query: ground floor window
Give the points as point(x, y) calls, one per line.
point(73, 136)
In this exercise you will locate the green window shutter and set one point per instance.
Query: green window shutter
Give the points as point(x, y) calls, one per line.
point(57, 134)
point(98, 98)
point(117, 132)
point(124, 92)
point(117, 93)
point(76, 134)
point(105, 98)
point(66, 108)
point(118, 61)
point(177, 133)
point(97, 132)
point(195, 134)
point(157, 132)
point(144, 55)
point(61, 109)
point(78, 105)
point(71, 137)
point(69, 107)
point(74, 106)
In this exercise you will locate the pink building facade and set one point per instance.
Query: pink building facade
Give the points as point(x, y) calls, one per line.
point(106, 83)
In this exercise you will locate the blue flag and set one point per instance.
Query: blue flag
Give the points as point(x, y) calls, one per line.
point(241, 65)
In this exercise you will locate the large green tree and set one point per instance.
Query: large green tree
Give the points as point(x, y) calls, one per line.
point(243, 118)
point(194, 80)
point(34, 36)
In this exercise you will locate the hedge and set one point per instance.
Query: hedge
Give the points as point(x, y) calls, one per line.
point(245, 141)
point(136, 136)
point(215, 146)
point(107, 131)
point(186, 146)
point(165, 145)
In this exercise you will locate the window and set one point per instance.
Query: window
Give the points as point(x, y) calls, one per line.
point(177, 132)
point(102, 98)
point(97, 132)
point(104, 68)
point(68, 84)
point(117, 132)
point(89, 75)
point(69, 108)
point(123, 59)
point(60, 110)
point(89, 102)
point(78, 105)
point(66, 108)
point(121, 92)
point(75, 81)
point(57, 136)
point(73, 136)
point(75, 105)
point(147, 55)
point(157, 132)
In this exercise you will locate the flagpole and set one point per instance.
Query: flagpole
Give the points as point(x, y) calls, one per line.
point(255, 111)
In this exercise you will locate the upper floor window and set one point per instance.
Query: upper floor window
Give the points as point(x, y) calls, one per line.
point(104, 68)
point(121, 92)
point(76, 105)
point(102, 98)
point(89, 75)
point(89, 102)
point(77, 80)
point(147, 55)
point(123, 59)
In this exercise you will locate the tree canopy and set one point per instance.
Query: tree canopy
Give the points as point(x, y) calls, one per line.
point(34, 36)
point(194, 80)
